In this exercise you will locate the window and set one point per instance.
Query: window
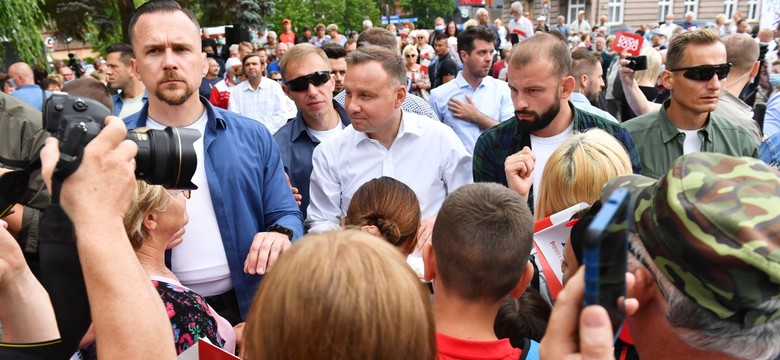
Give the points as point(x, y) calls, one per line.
point(753, 9)
point(690, 6)
point(664, 8)
point(574, 7)
point(615, 11)
point(729, 8)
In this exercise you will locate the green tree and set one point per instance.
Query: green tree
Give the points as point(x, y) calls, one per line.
point(347, 14)
point(427, 10)
point(20, 24)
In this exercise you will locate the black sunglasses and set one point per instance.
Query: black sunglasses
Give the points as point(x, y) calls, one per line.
point(705, 72)
point(301, 83)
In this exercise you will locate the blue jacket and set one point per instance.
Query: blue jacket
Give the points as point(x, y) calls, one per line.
point(297, 148)
point(118, 102)
point(247, 185)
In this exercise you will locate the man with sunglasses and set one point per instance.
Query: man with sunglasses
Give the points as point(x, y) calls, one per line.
point(259, 97)
point(308, 82)
point(696, 63)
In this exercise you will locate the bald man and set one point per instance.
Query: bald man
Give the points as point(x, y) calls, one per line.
point(26, 89)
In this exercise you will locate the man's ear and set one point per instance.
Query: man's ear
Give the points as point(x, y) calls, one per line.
point(134, 68)
point(287, 92)
point(525, 279)
point(567, 87)
point(400, 96)
point(645, 288)
point(667, 79)
point(584, 82)
point(754, 71)
point(429, 261)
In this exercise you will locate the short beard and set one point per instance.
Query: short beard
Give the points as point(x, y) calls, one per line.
point(540, 121)
point(174, 100)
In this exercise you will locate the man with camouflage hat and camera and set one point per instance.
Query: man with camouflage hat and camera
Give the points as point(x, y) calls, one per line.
point(704, 252)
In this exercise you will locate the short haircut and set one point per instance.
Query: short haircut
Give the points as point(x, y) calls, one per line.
point(517, 6)
point(584, 62)
point(351, 41)
point(392, 207)
point(741, 51)
point(482, 240)
point(125, 52)
point(245, 45)
point(676, 50)
point(349, 290)
point(391, 63)
point(92, 88)
point(146, 198)
point(297, 53)
point(306, 28)
point(441, 36)
point(468, 37)
point(320, 27)
point(333, 27)
point(247, 57)
point(558, 35)
point(379, 37)
point(542, 47)
point(410, 49)
point(156, 7)
point(334, 51)
point(578, 169)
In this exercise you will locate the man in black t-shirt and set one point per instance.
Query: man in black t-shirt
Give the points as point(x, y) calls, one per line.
point(445, 69)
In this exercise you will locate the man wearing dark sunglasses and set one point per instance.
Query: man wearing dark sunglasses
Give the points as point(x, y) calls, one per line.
point(309, 83)
point(696, 65)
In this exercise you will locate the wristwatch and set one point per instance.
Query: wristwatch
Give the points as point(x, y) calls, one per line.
point(282, 230)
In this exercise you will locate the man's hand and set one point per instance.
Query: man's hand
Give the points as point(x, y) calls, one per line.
point(593, 327)
point(465, 111)
point(105, 176)
point(519, 169)
point(296, 193)
point(626, 74)
point(265, 250)
point(425, 232)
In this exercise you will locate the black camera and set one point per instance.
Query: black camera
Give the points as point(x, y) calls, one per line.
point(637, 63)
point(165, 157)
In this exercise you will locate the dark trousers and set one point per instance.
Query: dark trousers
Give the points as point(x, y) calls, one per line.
point(226, 305)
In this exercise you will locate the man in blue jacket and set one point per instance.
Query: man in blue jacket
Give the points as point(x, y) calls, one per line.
point(243, 215)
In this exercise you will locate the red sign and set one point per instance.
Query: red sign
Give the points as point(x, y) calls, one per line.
point(472, 2)
point(630, 43)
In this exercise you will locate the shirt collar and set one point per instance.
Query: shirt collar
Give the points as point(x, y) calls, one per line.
point(461, 81)
point(215, 118)
point(669, 131)
point(299, 126)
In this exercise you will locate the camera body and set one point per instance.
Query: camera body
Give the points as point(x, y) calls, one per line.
point(637, 63)
point(165, 157)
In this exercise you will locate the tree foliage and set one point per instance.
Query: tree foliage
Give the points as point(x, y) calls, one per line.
point(347, 14)
point(20, 24)
point(426, 11)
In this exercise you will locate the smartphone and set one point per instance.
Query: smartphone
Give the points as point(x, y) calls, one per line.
point(605, 250)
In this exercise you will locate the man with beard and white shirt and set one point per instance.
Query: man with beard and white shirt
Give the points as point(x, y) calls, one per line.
point(587, 71)
point(540, 81)
point(243, 215)
point(474, 101)
point(259, 97)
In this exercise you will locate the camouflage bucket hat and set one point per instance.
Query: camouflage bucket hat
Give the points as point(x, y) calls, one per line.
point(712, 226)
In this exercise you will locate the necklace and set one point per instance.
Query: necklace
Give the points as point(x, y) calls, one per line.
point(737, 79)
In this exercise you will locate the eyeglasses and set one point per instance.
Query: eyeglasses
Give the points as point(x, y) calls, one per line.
point(705, 72)
point(175, 193)
point(409, 56)
point(301, 83)
point(279, 80)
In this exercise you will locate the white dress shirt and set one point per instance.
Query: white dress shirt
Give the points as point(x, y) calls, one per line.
point(492, 98)
point(266, 104)
point(522, 27)
point(426, 155)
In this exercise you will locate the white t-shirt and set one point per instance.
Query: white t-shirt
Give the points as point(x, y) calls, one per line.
point(199, 261)
point(692, 142)
point(543, 148)
point(325, 134)
point(131, 106)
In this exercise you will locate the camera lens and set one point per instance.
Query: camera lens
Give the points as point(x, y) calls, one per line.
point(166, 157)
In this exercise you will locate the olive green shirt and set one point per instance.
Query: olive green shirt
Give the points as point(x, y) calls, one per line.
point(21, 139)
point(659, 143)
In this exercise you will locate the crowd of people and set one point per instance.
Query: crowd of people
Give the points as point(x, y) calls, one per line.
point(374, 194)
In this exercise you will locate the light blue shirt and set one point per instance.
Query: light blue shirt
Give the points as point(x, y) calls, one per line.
point(771, 119)
point(492, 98)
point(582, 103)
point(32, 95)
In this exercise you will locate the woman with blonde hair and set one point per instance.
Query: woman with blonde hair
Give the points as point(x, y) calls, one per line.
point(419, 81)
point(646, 79)
point(387, 208)
point(578, 169)
point(340, 295)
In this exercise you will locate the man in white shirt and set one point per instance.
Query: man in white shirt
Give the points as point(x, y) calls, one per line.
point(579, 25)
point(520, 27)
point(384, 140)
point(474, 101)
point(588, 82)
point(259, 97)
point(669, 26)
point(133, 92)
